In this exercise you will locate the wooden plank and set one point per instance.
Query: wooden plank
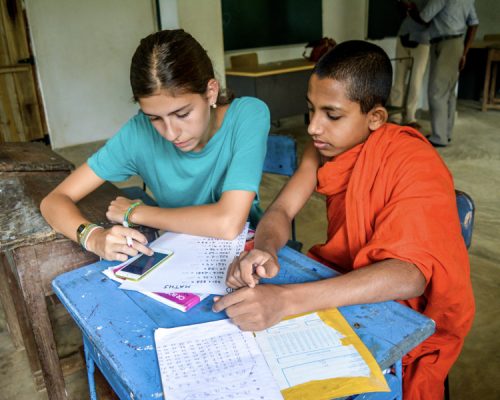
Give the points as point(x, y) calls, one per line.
point(20, 111)
point(9, 307)
point(20, 118)
point(20, 217)
point(274, 68)
point(14, 31)
point(10, 119)
point(29, 110)
point(20, 316)
point(57, 257)
point(30, 281)
point(30, 157)
point(14, 69)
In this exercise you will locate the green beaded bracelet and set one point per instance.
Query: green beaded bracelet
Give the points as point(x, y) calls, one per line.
point(128, 213)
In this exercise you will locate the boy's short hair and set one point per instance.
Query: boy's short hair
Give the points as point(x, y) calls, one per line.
point(364, 67)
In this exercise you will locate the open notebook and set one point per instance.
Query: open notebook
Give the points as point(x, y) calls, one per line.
point(313, 356)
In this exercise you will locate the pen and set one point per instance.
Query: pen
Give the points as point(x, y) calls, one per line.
point(129, 239)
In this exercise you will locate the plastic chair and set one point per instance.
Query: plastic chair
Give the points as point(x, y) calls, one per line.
point(466, 209)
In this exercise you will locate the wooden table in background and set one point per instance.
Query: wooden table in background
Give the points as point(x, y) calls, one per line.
point(281, 85)
point(477, 81)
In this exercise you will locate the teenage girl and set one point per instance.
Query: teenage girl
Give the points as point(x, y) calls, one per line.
point(200, 154)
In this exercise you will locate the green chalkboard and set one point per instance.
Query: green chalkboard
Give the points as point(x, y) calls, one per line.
point(384, 18)
point(261, 23)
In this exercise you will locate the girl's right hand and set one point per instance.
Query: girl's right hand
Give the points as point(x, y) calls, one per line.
point(111, 244)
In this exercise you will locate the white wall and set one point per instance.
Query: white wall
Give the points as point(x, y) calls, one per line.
point(345, 19)
point(203, 20)
point(83, 51)
point(488, 12)
point(169, 15)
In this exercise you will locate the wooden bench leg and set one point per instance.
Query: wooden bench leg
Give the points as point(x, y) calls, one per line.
point(19, 317)
point(9, 306)
point(486, 91)
point(36, 307)
point(493, 86)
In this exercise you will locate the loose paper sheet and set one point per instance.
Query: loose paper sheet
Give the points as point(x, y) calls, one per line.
point(199, 264)
point(299, 349)
point(311, 357)
point(214, 360)
point(305, 349)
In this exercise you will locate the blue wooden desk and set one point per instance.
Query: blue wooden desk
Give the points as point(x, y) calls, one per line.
point(118, 325)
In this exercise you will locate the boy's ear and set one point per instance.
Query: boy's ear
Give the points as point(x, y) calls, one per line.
point(377, 117)
point(212, 91)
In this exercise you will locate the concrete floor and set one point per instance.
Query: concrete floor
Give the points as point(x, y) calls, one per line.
point(474, 159)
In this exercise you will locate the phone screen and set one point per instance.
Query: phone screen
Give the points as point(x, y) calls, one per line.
point(144, 263)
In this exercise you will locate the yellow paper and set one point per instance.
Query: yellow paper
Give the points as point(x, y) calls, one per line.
point(339, 387)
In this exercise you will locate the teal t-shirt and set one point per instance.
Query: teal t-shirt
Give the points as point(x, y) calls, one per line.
point(231, 160)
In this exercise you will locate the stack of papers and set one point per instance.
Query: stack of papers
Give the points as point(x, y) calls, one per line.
point(197, 269)
point(314, 356)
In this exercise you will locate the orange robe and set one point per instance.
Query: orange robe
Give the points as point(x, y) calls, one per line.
point(393, 197)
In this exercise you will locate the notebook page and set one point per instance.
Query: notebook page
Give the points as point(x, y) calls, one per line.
point(214, 360)
point(199, 264)
point(304, 349)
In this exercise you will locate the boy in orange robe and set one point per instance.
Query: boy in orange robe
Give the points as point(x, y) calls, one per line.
point(393, 228)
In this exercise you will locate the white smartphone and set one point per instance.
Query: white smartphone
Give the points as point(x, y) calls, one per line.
point(141, 266)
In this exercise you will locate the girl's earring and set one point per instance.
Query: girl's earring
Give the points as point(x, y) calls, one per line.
point(214, 105)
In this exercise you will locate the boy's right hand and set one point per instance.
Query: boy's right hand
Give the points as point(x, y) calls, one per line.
point(249, 267)
point(111, 244)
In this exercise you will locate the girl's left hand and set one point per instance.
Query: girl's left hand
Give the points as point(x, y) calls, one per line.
point(117, 209)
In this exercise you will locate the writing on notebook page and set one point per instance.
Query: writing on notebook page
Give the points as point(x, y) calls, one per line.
point(222, 363)
point(199, 266)
point(303, 349)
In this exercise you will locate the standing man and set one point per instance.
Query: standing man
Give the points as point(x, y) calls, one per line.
point(413, 42)
point(448, 21)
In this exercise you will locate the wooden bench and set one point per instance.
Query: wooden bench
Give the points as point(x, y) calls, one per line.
point(32, 254)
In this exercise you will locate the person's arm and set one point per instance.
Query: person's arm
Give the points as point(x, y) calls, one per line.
point(60, 210)
point(469, 38)
point(273, 229)
point(413, 12)
point(224, 219)
point(265, 305)
point(425, 15)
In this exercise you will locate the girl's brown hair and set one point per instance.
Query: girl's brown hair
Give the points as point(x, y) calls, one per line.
point(171, 60)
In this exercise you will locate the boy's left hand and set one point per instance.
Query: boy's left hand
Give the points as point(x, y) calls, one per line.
point(253, 309)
